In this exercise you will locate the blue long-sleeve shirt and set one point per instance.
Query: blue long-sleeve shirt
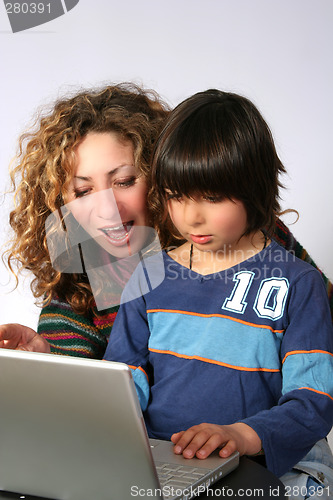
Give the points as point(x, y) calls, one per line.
point(253, 344)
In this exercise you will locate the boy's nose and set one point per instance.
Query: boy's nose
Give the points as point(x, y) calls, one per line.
point(193, 215)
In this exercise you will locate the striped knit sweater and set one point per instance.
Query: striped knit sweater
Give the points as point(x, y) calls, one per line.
point(74, 334)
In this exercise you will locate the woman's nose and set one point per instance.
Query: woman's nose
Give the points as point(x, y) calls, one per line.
point(105, 205)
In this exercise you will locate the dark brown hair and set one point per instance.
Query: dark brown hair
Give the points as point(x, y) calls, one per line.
point(216, 143)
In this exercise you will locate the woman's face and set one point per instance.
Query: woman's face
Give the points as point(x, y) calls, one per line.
point(107, 195)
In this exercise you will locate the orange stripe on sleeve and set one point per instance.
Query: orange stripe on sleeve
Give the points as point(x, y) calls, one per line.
point(315, 390)
point(291, 353)
point(139, 368)
point(212, 361)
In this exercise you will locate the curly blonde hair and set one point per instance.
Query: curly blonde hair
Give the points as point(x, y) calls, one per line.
point(44, 167)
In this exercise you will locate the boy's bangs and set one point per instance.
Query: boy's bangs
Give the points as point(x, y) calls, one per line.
point(191, 175)
point(195, 159)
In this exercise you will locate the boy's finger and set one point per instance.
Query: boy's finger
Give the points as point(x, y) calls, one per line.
point(176, 436)
point(228, 449)
point(184, 441)
point(203, 442)
point(214, 442)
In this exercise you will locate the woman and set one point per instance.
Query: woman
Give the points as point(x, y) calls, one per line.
point(96, 143)
point(61, 163)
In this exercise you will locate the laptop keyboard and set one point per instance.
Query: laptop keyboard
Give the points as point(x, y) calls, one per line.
point(174, 477)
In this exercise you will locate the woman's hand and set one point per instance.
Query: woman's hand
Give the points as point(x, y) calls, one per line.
point(15, 336)
point(201, 440)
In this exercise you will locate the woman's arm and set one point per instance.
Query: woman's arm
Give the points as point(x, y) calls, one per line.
point(15, 336)
point(74, 334)
point(62, 331)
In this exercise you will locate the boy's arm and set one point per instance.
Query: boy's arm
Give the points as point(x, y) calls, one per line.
point(128, 344)
point(303, 414)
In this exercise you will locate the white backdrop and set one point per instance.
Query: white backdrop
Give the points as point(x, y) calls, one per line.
point(276, 52)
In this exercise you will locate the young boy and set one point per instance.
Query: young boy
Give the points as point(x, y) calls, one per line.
point(234, 349)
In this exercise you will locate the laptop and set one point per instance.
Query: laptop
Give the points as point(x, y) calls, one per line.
point(72, 429)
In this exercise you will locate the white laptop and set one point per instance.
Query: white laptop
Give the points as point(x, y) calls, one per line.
point(72, 429)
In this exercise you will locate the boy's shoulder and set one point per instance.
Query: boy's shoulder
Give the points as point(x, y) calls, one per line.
point(147, 275)
point(288, 262)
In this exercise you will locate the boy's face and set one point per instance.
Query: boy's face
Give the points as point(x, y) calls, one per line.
point(209, 223)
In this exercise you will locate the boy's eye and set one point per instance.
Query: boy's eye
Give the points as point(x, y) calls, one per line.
point(172, 196)
point(213, 199)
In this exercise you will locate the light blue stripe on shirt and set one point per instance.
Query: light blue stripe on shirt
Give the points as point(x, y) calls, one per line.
point(313, 370)
point(215, 338)
point(142, 386)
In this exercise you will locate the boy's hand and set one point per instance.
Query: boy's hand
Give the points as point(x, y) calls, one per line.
point(201, 440)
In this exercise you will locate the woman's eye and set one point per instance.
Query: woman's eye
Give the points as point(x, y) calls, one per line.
point(124, 183)
point(80, 194)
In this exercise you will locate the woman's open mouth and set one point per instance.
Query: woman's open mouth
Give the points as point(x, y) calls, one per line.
point(118, 235)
